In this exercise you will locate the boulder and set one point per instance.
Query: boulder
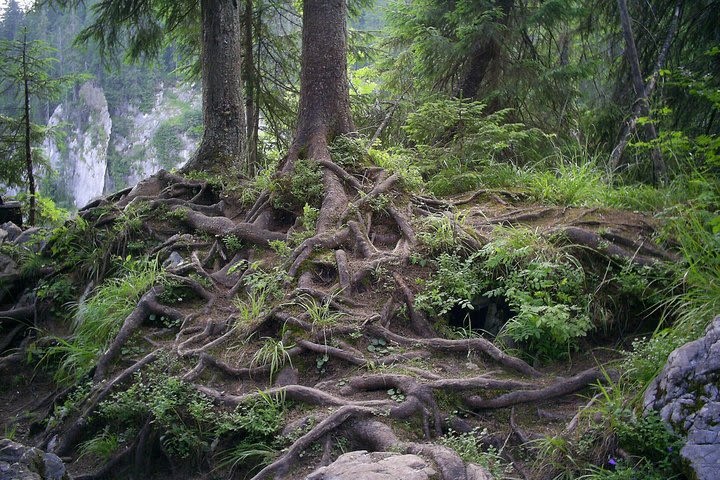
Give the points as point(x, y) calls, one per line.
point(686, 395)
point(361, 465)
point(13, 231)
point(18, 462)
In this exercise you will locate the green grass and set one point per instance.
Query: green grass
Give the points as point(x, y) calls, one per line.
point(99, 318)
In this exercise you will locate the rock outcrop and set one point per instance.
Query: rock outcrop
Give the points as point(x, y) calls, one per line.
point(687, 396)
point(104, 148)
point(81, 160)
point(361, 465)
point(18, 462)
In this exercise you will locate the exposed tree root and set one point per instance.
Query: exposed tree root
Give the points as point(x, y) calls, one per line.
point(283, 464)
point(147, 305)
point(476, 344)
point(359, 238)
point(557, 389)
point(595, 242)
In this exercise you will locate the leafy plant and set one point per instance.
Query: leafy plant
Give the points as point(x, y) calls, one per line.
point(396, 395)
point(379, 346)
point(469, 447)
point(232, 243)
point(303, 186)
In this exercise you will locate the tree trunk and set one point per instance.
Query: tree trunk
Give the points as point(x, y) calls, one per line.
point(640, 89)
point(324, 96)
point(28, 146)
point(251, 105)
point(222, 146)
point(482, 56)
point(631, 124)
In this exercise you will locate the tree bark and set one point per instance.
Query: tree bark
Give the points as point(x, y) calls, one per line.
point(324, 97)
point(222, 147)
point(28, 146)
point(640, 89)
point(250, 78)
point(324, 94)
point(482, 56)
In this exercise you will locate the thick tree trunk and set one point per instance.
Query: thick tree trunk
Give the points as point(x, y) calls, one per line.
point(324, 96)
point(482, 56)
point(640, 88)
point(28, 146)
point(222, 147)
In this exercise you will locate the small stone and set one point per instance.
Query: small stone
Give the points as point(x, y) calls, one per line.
point(471, 366)
point(287, 376)
point(173, 260)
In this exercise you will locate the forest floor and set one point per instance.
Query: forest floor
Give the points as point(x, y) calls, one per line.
point(337, 358)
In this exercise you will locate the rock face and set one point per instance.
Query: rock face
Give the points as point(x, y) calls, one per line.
point(18, 462)
point(687, 396)
point(106, 148)
point(164, 136)
point(362, 465)
point(81, 162)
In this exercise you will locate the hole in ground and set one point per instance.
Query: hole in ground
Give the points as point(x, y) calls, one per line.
point(487, 315)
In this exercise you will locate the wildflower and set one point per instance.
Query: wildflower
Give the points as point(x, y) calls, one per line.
point(612, 462)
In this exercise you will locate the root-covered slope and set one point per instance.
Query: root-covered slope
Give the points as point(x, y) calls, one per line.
point(326, 318)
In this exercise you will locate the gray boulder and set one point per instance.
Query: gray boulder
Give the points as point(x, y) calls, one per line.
point(18, 462)
point(686, 395)
point(12, 230)
point(362, 465)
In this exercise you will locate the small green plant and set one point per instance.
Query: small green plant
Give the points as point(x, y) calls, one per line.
point(469, 447)
point(321, 313)
point(308, 220)
point(101, 446)
point(271, 282)
point(303, 186)
point(321, 361)
point(281, 248)
point(251, 309)
point(273, 352)
point(396, 395)
point(60, 292)
point(379, 346)
point(232, 243)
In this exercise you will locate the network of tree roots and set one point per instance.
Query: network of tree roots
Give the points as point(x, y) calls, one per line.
point(336, 266)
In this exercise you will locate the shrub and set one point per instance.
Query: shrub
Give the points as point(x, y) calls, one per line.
point(469, 447)
point(544, 287)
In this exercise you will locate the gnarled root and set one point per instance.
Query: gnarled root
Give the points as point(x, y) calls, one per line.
point(147, 305)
